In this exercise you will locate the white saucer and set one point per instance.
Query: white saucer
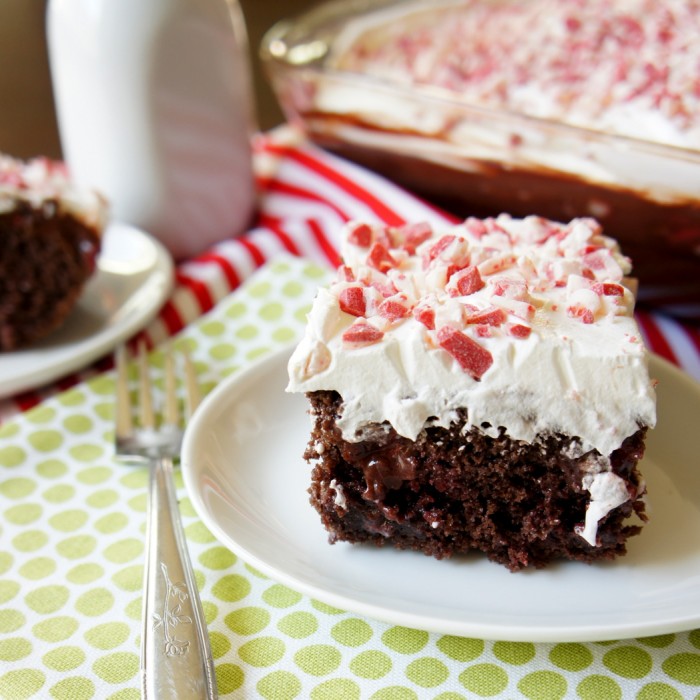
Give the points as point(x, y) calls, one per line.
point(133, 279)
point(247, 480)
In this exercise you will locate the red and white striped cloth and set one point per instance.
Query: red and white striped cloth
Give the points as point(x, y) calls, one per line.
point(305, 194)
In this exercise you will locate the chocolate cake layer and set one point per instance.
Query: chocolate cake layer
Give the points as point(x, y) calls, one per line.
point(455, 490)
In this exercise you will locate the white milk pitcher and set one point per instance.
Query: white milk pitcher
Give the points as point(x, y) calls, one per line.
point(154, 108)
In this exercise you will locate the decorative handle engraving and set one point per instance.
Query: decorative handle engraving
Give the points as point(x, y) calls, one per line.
point(175, 595)
point(176, 659)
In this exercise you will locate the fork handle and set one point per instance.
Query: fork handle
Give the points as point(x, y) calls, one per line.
point(176, 660)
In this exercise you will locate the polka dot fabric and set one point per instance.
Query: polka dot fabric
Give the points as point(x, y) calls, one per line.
point(72, 525)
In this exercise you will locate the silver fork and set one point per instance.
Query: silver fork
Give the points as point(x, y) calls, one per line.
point(176, 660)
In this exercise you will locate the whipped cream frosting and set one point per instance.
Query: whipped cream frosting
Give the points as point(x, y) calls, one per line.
point(40, 181)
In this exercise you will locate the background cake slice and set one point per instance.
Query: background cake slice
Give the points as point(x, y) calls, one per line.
point(50, 235)
point(483, 387)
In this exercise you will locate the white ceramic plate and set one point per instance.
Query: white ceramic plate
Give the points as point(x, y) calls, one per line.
point(247, 480)
point(133, 279)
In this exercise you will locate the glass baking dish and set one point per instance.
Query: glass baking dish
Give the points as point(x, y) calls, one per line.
point(473, 159)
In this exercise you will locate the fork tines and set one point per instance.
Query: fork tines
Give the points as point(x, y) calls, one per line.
point(126, 426)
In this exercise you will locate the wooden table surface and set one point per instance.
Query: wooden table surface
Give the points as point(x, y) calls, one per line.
point(27, 118)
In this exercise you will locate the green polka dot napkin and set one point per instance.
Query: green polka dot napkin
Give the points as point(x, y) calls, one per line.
point(72, 524)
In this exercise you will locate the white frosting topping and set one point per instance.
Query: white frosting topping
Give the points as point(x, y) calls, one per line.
point(526, 323)
point(40, 181)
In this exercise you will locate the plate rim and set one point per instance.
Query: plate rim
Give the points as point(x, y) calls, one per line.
point(493, 631)
point(107, 338)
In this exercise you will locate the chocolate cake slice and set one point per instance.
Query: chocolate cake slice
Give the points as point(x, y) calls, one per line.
point(483, 387)
point(50, 234)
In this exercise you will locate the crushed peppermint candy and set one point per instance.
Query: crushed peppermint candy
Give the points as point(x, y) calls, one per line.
point(362, 333)
point(483, 281)
point(473, 358)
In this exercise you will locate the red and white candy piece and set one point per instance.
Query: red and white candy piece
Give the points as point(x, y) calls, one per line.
point(352, 301)
point(493, 316)
point(472, 357)
point(425, 314)
point(380, 258)
point(410, 236)
point(518, 330)
point(521, 309)
point(361, 332)
point(464, 282)
point(394, 308)
point(359, 234)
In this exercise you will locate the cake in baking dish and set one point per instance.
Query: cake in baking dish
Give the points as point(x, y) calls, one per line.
point(50, 236)
point(481, 386)
point(626, 67)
